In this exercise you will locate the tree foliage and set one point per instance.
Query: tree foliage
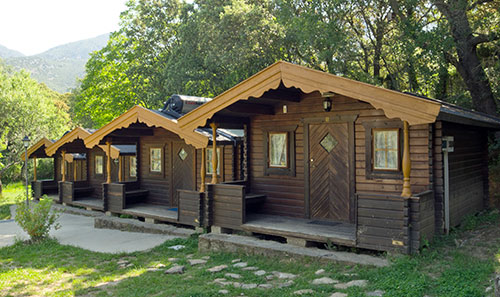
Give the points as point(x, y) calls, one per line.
point(27, 108)
point(207, 46)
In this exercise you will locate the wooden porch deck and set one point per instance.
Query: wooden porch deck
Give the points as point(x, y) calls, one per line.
point(335, 232)
point(89, 202)
point(157, 212)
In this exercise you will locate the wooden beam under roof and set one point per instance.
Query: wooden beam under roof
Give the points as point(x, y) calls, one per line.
point(251, 108)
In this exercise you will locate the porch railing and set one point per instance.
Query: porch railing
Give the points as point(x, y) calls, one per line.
point(226, 205)
point(115, 195)
point(383, 222)
point(190, 208)
point(394, 223)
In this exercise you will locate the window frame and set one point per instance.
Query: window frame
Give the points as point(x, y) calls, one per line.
point(370, 171)
point(290, 150)
point(398, 149)
point(96, 173)
point(134, 167)
point(208, 164)
point(287, 149)
point(151, 171)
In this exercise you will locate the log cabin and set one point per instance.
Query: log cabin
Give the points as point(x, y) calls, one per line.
point(81, 171)
point(167, 185)
point(40, 187)
point(329, 159)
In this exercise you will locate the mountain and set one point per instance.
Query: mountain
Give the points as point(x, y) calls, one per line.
point(61, 66)
point(8, 53)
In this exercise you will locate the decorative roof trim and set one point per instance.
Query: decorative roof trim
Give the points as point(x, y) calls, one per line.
point(409, 108)
point(150, 118)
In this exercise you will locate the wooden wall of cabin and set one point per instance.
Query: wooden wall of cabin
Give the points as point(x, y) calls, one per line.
point(285, 194)
point(158, 184)
point(126, 169)
point(467, 170)
point(96, 180)
point(231, 165)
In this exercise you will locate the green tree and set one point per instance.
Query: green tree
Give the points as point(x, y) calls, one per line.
point(27, 108)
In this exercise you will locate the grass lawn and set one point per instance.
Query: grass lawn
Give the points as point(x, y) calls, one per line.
point(461, 264)
point(11, 194)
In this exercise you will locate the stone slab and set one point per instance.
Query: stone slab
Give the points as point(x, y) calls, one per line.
point(132, 225)
point(236, 244)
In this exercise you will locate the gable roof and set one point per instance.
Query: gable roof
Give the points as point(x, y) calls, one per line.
point(151, 118)
point(395, 104)
point(44, 142)
point(78, 133)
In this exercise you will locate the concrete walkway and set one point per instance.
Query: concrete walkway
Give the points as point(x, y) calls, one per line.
point(79, 231)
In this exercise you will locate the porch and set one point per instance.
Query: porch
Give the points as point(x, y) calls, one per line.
point(150, 211)
point(79, 193)
point(308, 230)
point(382, 222)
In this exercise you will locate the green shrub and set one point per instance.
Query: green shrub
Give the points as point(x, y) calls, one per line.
point(36, 219)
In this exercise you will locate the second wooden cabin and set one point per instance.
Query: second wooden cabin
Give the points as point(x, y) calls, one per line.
point(166, 164)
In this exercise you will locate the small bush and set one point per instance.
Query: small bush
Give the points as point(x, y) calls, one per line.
point(36, 219)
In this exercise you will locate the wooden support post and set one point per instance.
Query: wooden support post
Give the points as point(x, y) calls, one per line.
point(203, 170)
point(108, 165)
point(74, 170)
point(63, 173)
point(34, 168)
point(406, 162)
point(214, 153)
point(120, 178)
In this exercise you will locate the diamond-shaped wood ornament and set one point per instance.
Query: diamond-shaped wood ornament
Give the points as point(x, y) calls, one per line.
point(183, 154)
point(328, 142)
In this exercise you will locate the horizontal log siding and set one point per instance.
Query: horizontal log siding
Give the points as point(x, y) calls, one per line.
point(158, 185)
point(227, 164)
point(67, 192)
point(383, 223)
point(285, 194)
point(227, 205)
point(421, 219)
point(190, 207)
point(466, 168)
point(115, 195)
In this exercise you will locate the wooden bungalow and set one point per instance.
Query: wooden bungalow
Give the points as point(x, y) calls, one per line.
point(81, 171)
point(166, 184)
point(329, 159)
point(40, 187)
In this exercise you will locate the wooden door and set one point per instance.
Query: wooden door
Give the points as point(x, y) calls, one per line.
point(182, 169)
point(329, 195)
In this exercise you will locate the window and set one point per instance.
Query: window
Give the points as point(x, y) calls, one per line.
point(382, 149)
point(278, 149)
point(99, 165)
point(385, 149)
point(208, 166)
point(133, 166)
point(155, 160)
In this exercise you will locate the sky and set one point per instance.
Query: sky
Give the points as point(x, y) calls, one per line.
point(34, 26)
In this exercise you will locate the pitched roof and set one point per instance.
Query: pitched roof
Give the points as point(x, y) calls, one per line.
point(151, 118)
point(395, 104)
point(42, 143)
point(77, 133)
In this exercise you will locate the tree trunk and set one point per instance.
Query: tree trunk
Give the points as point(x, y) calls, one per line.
point(468, 65)
point(1, 186)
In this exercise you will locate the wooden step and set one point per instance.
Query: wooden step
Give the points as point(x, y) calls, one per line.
point(254, 198)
